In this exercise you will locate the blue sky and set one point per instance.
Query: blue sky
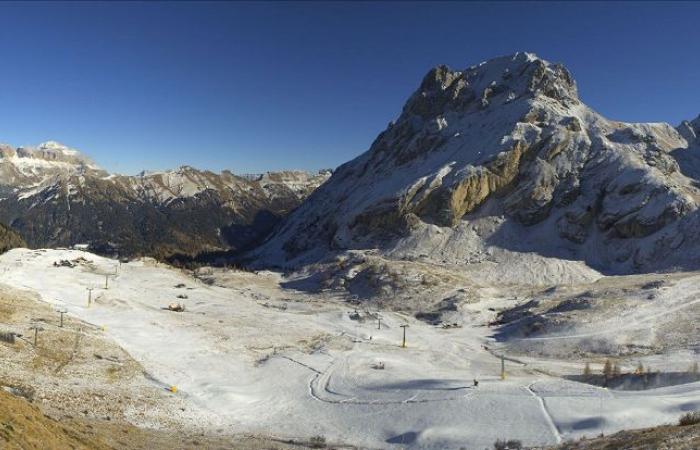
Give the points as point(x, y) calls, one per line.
point(265, 86)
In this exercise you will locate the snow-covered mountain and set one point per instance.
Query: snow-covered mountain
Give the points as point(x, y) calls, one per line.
point(25, 168)
point(52, 195)
point(503, 160)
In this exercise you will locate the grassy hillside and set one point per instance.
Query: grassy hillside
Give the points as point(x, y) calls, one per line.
point(24, 426)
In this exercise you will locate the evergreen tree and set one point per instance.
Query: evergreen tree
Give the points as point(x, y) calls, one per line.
point(607, 369)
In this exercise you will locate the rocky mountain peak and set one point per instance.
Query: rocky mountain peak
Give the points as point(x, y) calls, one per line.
point(57, 147)
point(493, 82)
point(504, 155)
point(32, 167)
point(49, 152)
point(690, 130)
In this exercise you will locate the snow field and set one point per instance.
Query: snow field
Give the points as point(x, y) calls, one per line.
point(244, 364)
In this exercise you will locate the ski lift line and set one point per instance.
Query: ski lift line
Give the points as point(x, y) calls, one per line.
point(501, 353)
point(43, 323)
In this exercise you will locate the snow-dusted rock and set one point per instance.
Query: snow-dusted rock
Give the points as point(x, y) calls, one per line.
point(510, 139)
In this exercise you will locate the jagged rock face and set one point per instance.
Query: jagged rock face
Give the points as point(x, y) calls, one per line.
point(507, 139)
point(30, 167)
point(54, 196)
point(690, 130)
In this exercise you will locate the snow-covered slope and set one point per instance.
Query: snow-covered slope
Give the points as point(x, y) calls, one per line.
point(500, 160)
point(250, 357)
point(54, 196)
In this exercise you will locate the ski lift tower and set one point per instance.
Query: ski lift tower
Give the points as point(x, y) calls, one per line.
point(403, 343)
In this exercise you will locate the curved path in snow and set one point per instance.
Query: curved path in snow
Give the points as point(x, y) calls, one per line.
point(320, 388)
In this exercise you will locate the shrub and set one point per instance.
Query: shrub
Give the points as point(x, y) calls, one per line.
point(690, 418)
point(510, 444)
point(317, 442)
point(607, 369)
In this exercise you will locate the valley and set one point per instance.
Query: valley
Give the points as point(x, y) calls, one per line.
point(351, 225)
point(250, 357)
point(503, 263)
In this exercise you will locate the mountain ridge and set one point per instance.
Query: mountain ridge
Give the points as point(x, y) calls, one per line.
point(53, 195)
point(509, 142)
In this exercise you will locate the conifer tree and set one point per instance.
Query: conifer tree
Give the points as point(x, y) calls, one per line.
point(607, 369)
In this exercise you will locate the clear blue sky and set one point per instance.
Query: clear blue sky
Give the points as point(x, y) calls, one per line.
point(255, 87)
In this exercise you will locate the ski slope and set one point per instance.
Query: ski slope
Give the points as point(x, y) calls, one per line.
point(251, 357)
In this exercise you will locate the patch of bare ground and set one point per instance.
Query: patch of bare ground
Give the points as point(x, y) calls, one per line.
point(23, 426)
point(72, 370)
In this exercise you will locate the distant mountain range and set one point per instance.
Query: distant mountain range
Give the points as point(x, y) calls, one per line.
point(502, 160)
point(53, 196)
point(484, 165)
